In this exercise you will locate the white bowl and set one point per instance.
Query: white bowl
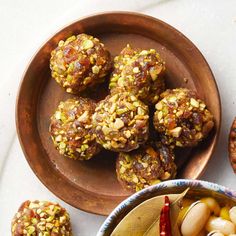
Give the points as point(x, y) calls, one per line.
point(197, 188)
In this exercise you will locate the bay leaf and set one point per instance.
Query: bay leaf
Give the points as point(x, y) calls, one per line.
point(143, 220)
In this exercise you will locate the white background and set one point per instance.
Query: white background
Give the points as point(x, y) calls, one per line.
point(26, 24)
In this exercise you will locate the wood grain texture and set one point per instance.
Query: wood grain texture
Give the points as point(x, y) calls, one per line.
point(92, 185)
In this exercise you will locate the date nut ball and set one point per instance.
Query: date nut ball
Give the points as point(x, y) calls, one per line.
point(121, 122)
point(181, 118)
point(71, 129)
point(79, 62)
point(148, 165)
point(41, 218)
point(139, 72)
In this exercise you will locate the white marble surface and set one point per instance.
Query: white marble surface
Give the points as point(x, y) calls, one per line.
point(26, 24)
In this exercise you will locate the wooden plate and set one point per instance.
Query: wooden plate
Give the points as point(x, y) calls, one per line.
point(92, 185)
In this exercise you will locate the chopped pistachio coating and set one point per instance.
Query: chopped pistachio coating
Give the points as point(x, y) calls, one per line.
point(121, 122)
point(181, 118)
point(71, 129)
point(79, 62)
point(148, 165)
point(41, 218)
point(139, 72)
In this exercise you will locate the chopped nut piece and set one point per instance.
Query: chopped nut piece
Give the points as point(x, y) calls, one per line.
point(202, 106)
point(176, 132)
point(61, 43)
point(158, 106)
point(127, 134)
point(172, 99)
point(87, 44)
point(136, 70)
point(144, 52)
point(30, 229)
point(84, 117)
point(69, 90)
point(194, 102)
point(33, 205)
point(145, 165)
point(106, 130)
point(135, 179)
point(58, 138)
point(118, 123)
point(159, 115)
point(58, 115)
point(154, 72)
point(95, 69)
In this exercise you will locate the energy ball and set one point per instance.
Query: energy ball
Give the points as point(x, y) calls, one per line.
point(181, 118)
point(121, 122)
point(148, 165)
point(79, 62)
point(232, 145)
point(41, 218)
point(139, 72)
point(71, 129)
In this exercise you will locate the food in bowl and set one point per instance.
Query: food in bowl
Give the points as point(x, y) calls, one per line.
point(148, 165)
point(79, 62)
point(71, 129)
point(207, 217)
point(121, 122)
point(181, 118)
point(41, 218)
point(139, 72)
point(203, 209)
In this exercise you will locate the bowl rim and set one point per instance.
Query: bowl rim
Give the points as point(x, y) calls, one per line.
point(63, 27)
point(202, 184)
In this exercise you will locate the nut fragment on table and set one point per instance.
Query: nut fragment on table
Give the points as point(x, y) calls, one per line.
point(71, 129)
point(120, 122)
point(148, 165)
point(79, 62)
point(181, 118)
point(232, 145)
point(41, 218)
point(139, 72)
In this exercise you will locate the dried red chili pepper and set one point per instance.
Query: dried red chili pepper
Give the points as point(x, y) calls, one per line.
point(165, 226)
